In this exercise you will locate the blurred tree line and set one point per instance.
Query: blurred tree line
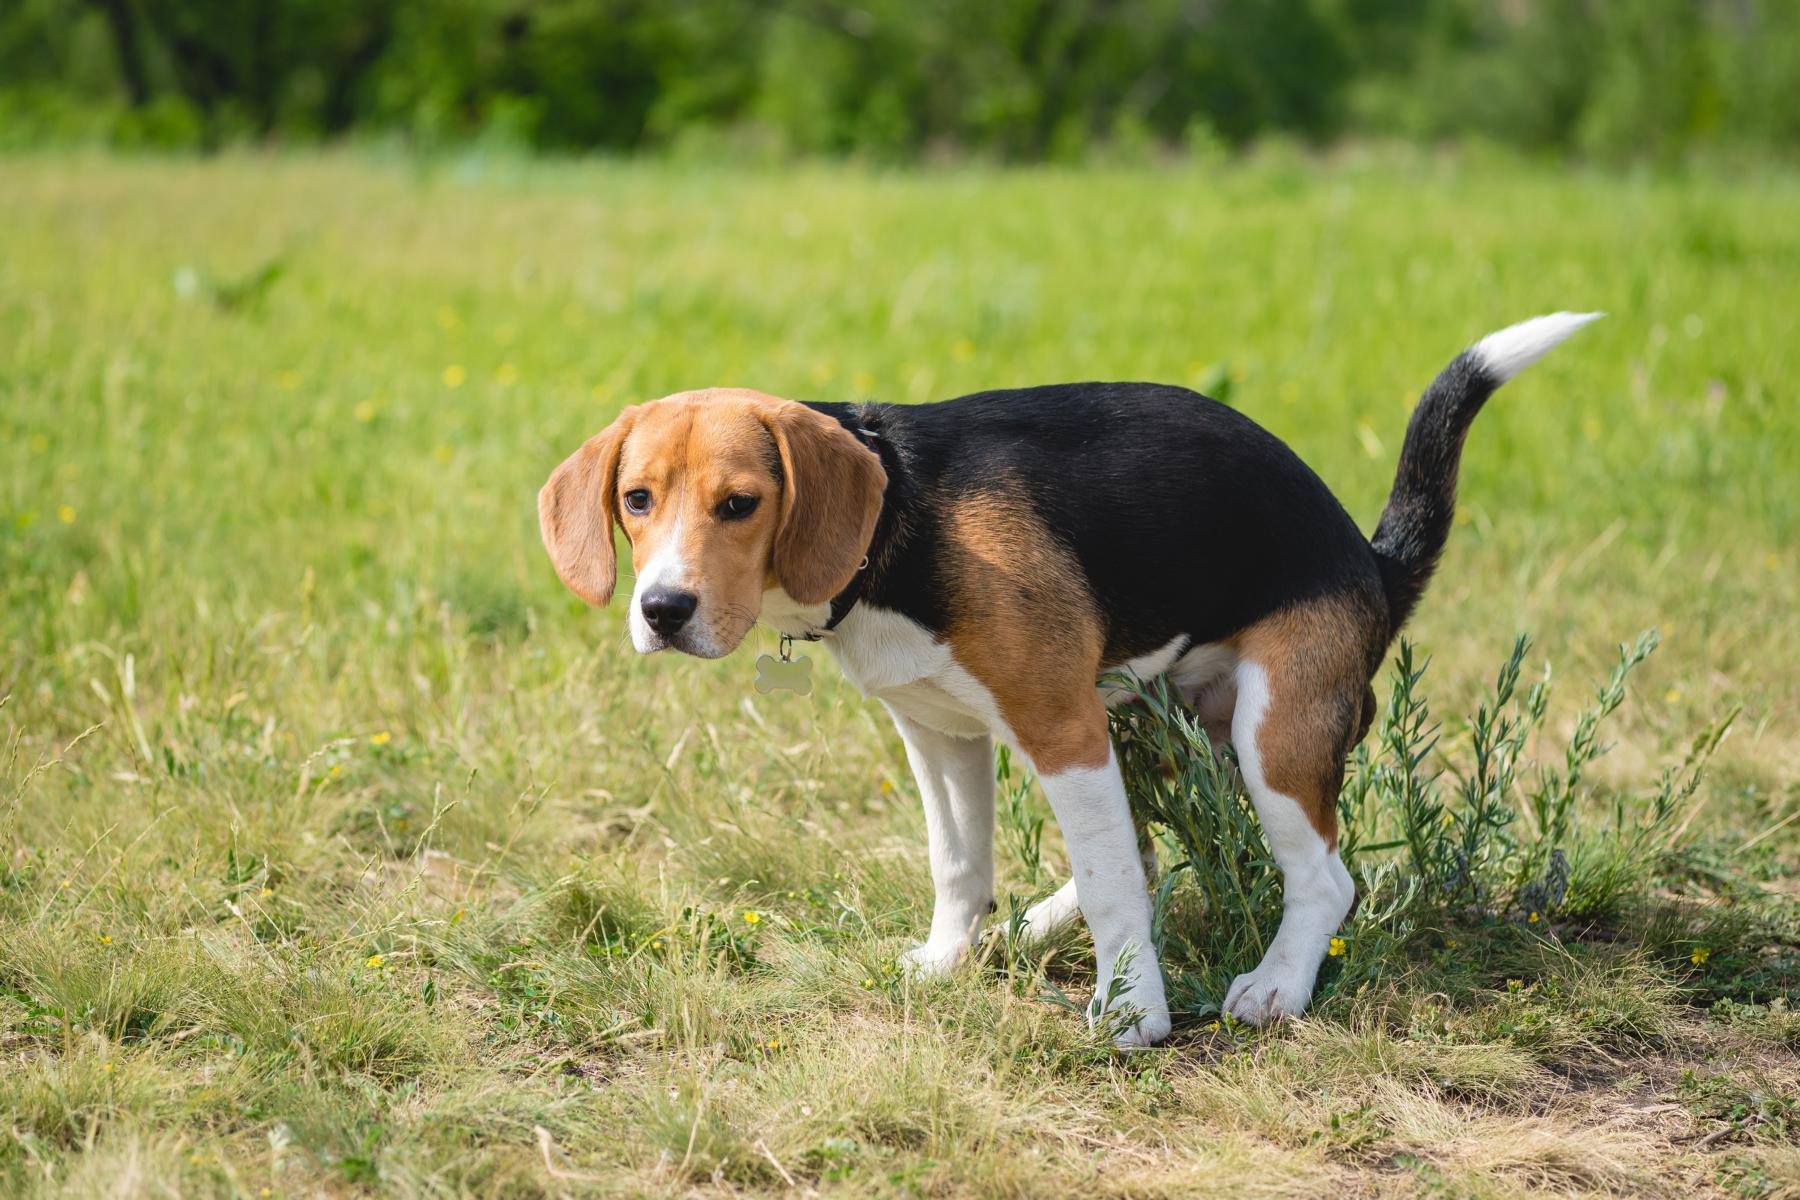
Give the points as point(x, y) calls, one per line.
point(1016, 79)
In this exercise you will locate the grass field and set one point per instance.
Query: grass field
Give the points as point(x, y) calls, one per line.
point(343, 852)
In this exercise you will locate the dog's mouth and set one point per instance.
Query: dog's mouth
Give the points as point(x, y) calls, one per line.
point(692, 641)
point(703, 627)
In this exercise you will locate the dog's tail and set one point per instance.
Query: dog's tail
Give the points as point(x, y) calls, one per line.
point(1416, 522)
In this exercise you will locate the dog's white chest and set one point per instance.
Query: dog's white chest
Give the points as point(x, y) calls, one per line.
point(896, 660)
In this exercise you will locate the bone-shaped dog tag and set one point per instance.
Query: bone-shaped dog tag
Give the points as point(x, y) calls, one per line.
point(786, 674)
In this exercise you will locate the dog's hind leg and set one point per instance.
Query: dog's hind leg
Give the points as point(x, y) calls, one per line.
point(1051, 914)
point(1300, 688)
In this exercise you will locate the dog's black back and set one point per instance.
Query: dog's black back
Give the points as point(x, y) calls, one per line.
point(1186, 516)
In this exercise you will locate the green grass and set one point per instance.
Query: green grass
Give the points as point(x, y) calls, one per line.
point(342, 851)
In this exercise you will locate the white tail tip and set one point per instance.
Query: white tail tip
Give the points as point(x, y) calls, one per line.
point(1509, 351)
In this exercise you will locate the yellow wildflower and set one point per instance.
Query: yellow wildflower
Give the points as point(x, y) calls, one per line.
point(459, 915)
point(1672, 696)
point(868, 983)
point(455, 375)
point(1337, 947)
point(66, 514)
point(267, 892)
point(107, 1067)
point(375, 960)
point(1533, 918)
point(65, 883)
point(752, 917)
point(106, 939)
point(382, 738)
point(1699, 956)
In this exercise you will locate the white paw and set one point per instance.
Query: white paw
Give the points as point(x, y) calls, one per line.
point(1153, 1028)
point(1269, 993)
point(932, 960)
point(1145, 1000)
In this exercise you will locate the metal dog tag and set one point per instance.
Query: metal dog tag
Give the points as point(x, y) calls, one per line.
point(786, 673)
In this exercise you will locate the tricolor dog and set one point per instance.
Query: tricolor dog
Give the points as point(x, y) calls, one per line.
point(977, 564)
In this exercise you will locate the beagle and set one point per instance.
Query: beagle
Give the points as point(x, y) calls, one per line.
point(977, 564)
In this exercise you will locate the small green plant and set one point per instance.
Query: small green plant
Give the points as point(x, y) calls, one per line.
point(1187, 793)
point(1496, 743)
point(1021, 819)
point(1551, 804)
point(1426, 856)
point(1109, 1015)
point(1749, 1105)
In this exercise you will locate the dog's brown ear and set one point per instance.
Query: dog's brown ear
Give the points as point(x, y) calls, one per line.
point(830, 500)
point(577, 509)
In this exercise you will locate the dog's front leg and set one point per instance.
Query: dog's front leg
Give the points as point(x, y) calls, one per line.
point(1108, 870)
point(956, 782)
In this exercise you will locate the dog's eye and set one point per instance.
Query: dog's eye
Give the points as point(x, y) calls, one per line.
point(637, 500)
point(737, 507)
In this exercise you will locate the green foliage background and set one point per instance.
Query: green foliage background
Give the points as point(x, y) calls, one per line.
point(1018, 79)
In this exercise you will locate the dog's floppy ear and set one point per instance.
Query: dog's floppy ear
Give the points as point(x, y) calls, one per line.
point(830, 500)
point(577, 509)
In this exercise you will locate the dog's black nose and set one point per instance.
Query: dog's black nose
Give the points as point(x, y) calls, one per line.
point(668, 610)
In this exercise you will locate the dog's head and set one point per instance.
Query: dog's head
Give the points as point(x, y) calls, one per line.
point(723, 494)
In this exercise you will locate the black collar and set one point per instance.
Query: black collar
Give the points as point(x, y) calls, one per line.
point(844, 601)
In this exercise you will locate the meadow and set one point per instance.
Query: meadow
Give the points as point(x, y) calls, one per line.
point(342, 852)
